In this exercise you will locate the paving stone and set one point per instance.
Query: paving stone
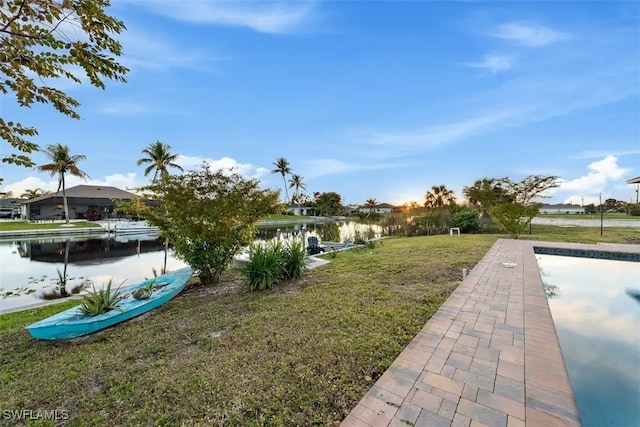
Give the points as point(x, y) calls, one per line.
point(483, 368)
point(426, 400)
point(407, 415)
point(500, 403)
point(429, 419)
point(460, 420)
point(370, 417)
point(459, 360)
point(515, 422)
point(351, 421)
point(448, 371)
point(485, 415)
point(468, 365)
point(447, 409)
point(447, 384)
point(470, 392)
point(474, 379)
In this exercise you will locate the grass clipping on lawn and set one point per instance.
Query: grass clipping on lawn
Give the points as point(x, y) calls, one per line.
point(301, 354)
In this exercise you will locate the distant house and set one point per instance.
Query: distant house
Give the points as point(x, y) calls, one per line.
point(381, 208)
point(98, 200)
point(352, 209)
point(301, 210)
point(562, 209)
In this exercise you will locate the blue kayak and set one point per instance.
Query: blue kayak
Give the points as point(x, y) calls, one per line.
point(72, 323)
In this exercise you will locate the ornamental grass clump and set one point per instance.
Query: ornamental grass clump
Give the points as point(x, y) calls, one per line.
point(99, 302)
point(272, 263)
point(295, 260)
point(265, 266)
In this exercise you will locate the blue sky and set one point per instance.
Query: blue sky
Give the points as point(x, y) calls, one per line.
point(367, 99)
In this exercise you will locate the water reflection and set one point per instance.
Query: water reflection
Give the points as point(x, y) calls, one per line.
point(32, 267)
point(597, 325)
point(327, 232)
point(29, 267)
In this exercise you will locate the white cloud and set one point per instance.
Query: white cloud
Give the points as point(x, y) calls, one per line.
point(604, 179)
point(438, 135)
point(122, 181)
point(265, 17)
point(247, 170)
point(595, 181)
point(493, 63)
point(516, 103)
point(529, 35)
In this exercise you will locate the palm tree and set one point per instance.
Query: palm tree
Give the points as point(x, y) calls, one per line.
point(63, 162)
point(438, 197)
point(160, 159)
point(32, 193)
point(296, 182)
point(370, 203)
point(283, 168)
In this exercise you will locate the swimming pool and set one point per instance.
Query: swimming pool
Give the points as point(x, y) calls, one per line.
point(598, 326)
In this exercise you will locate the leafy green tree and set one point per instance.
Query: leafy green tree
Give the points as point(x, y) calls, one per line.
point(439, 197)
point(329, 203)
point(466, 219)
point(590, 208)
point(207, 216)
point(511, 204)
point(62, 163)
point(296, 183)
point(159, 159)
point(284, 169)
point(42, 41)
point(487, 192)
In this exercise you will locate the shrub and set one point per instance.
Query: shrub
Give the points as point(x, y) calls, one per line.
point(98, 302)
point(207, 216)
point(265, 267)
point(467, 220)
point(295, 260)
point(272, 263)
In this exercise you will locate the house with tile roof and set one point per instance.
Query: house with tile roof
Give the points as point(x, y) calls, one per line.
point(381, 208)
point(100, 199)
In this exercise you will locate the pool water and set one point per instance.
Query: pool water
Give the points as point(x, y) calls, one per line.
point(598, 325)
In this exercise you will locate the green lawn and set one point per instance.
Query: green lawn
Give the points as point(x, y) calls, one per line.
point(581, 234)
point(301, 354)
point(606, 216)
point(24, 225)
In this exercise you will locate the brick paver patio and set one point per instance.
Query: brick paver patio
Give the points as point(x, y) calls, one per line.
point(489, 357)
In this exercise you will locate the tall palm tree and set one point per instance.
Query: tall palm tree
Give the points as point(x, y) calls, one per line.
point(438, 197)
point(160, 159)
point(284, 169)
point(296, 182)
point(62, 162)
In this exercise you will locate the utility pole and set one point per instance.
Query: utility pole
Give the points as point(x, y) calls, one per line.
point(601, 214)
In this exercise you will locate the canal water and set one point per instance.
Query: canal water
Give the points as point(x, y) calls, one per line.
point(29, 268)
